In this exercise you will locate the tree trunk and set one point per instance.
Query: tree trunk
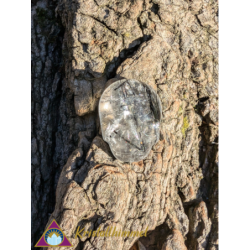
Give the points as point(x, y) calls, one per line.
point(78, 48)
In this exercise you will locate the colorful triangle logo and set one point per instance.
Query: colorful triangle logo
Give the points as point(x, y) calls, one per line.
point(53, 237)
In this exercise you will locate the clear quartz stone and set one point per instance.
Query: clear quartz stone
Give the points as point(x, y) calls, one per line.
point(130, 114)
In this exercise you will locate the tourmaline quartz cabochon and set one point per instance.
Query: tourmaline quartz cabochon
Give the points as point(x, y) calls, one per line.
point(130, 115)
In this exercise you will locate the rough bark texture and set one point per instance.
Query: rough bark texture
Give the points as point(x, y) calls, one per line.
point(78, 48)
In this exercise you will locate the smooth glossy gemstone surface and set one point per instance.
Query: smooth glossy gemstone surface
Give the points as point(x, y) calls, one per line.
point(130, 114)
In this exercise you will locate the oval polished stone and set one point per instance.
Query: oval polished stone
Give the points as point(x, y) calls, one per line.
point(130, 114)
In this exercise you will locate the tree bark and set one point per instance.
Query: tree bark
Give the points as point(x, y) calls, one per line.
point(80, 47)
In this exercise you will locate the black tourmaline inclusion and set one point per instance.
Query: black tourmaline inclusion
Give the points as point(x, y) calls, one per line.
point(130, 114)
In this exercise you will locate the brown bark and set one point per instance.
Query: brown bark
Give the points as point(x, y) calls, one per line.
point(170, 45)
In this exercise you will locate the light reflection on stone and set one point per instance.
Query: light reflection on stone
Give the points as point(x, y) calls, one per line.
point(130, 114)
